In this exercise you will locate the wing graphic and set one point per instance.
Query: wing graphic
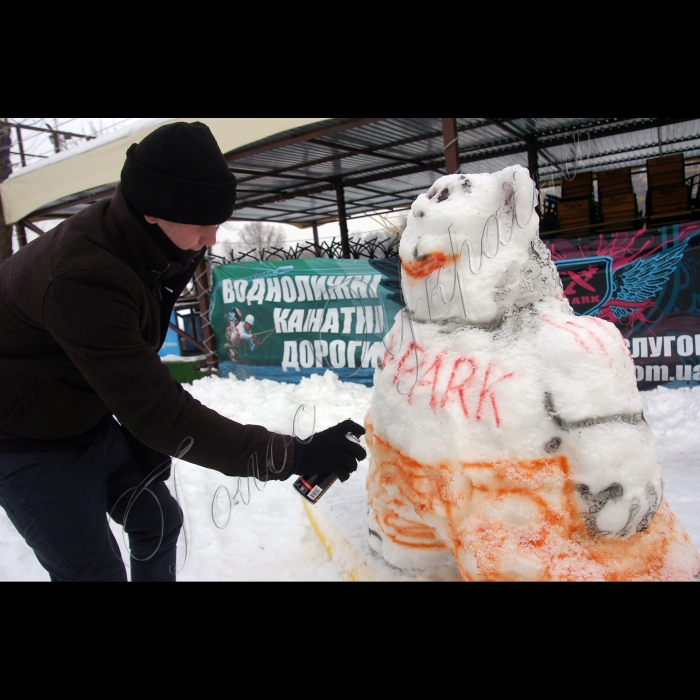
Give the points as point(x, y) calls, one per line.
point(645, 277)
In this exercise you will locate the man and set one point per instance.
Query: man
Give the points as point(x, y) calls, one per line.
point(239, 333)
point(89, 415)
point(246, 332)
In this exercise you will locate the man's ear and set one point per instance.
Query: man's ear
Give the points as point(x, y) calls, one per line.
point(151, 219)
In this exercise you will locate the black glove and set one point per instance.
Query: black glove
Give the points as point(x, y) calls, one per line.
point(330, 452)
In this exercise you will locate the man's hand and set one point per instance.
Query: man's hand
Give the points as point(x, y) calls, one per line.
point(330, 452)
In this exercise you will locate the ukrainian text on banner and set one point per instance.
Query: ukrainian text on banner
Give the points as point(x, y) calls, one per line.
point(648, 284)
point(285, 320)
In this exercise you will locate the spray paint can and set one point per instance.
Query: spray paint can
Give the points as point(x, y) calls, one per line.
point(314, 486)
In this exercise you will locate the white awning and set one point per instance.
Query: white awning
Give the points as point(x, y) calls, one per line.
point(99, 162)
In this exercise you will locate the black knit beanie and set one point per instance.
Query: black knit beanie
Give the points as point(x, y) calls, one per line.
point(179, 174)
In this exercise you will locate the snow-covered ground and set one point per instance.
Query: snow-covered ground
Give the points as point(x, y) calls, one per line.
point(269, 537)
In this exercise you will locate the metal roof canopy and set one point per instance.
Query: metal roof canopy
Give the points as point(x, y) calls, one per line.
point(342, 168)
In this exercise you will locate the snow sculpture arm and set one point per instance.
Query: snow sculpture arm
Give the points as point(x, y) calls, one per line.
point(598, 424)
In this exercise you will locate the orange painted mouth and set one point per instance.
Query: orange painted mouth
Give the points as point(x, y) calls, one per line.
point(425, 265)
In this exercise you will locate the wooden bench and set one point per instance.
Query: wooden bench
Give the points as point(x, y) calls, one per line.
point(580, 185)
point(576, 206)
point(666, 205)
point(616, 181)
point(693, 183)
point(668, 195)
point(618, 201)
point(665, 171)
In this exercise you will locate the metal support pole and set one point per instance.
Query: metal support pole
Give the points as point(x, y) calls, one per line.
point(5, 170)
point(188, 337)
point(56, 141)
point(21, 235)
point(314, 226)
point(20, 146)
point(534, 168)
point(201, 282)
point(533, 162)
point(5, 238)
point(33, 227)
point(450, 140)
point(342, 218)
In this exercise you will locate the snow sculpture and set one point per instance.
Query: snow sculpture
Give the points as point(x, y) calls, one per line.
point(504, 431)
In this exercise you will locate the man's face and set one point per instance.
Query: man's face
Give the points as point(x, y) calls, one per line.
point(186, 236)
point(246, 326)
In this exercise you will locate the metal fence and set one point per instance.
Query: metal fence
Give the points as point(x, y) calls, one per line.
point(359, 249)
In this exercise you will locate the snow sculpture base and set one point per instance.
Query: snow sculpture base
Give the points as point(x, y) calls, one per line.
point(506, 433)
point(523, 523)
point(340, 522)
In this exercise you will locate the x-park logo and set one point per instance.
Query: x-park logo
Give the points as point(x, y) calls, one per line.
point(587, 282)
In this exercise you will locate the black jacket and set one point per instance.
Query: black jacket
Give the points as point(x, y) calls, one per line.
point(84, 310)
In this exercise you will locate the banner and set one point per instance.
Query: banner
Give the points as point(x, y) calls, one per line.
point(284, 320)
point(315, 314)
point(648, 284)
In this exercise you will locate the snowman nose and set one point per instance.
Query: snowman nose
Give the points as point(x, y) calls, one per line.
point(424, 265)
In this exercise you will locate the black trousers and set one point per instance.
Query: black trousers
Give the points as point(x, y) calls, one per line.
point(59, 498)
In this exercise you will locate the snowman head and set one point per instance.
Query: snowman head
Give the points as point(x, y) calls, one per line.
point(471, 250)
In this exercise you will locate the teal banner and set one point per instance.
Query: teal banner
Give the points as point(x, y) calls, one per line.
point(285, 320)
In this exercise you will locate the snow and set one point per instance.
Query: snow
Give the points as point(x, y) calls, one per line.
point(271, 538)
point(181, 358)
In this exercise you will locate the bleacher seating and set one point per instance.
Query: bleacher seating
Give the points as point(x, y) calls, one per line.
point(618, 201)
point(668, 194)
point(671, 197)
point(576, 206)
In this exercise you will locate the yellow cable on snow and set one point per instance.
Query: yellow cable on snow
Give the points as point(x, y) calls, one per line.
point(358, 571)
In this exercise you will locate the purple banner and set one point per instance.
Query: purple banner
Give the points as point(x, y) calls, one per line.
point(648, 284)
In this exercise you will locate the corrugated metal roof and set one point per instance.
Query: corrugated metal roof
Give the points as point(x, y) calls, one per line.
point(385, 163)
